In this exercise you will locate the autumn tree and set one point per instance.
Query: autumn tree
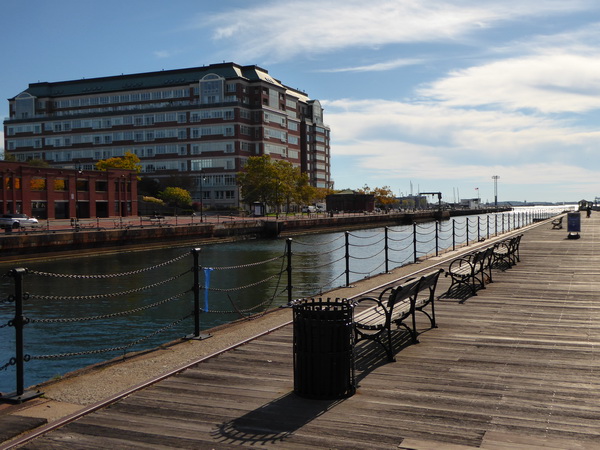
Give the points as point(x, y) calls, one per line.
point(384, 197)
point(176, 196)
point(129, 161)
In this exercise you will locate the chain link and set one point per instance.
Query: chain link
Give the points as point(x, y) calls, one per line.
point(9, 299)
point(111, 349)
point(369, 244)
point(108, 316)
point(11, 362)
point(239, 288)
point(367, 257)
point(109, 295)
point(242, 266)
point(306, 254)
point(110, 275)
point(239, 311)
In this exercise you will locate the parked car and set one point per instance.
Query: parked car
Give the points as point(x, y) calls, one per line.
point(17, 220)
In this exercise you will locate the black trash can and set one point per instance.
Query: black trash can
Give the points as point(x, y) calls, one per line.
point(324, 348)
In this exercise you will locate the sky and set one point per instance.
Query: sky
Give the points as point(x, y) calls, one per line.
point(420, 95)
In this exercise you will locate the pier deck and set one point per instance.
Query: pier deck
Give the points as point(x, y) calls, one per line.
point(517, 366)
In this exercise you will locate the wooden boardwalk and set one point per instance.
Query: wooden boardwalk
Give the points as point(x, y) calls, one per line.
point(517, 366)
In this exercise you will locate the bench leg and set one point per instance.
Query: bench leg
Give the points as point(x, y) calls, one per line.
point(390, 353)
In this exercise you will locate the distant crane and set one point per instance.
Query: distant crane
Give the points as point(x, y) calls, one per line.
point(439, 196)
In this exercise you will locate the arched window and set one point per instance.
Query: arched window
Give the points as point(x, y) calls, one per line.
point(211, 89)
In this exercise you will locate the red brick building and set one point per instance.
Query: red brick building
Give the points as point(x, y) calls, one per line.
point(51, 193)
point(199, 123)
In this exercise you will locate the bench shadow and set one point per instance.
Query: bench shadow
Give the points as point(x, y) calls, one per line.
point(273, 422)
point(369, 355)
point(458, 292)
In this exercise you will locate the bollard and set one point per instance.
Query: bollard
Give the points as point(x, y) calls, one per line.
point(19, 322)
point(289, 269)
point(196, 290)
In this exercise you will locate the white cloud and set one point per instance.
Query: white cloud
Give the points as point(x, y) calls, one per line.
point(281, 30)
point(550, 83)
point(450, 129)
point(376, 67)
point(434, 143)
point(162, 54)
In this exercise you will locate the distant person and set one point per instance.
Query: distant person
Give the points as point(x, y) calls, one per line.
point(589, 211)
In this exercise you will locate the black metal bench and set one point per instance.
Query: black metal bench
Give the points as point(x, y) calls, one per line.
point(393, 306)
point(557, 223)
point(506, 253)
point(472, 270)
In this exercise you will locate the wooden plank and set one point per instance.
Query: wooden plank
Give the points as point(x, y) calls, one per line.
point(516, 366)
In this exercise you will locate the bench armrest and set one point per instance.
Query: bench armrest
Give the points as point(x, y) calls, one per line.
point(374, 316)
point(458, 263)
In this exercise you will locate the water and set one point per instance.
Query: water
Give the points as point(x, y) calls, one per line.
point(238, 286)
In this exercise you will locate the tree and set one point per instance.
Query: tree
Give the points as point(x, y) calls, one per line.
point(129, 162)
point(384, 197)
point(37, 162)
point(274, 183)
point(293, 186)
point(257, 180)
point(176, 196)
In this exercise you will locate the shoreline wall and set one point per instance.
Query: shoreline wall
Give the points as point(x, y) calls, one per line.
point(27, 243)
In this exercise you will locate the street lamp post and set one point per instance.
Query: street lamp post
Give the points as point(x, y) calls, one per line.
point(495, 178)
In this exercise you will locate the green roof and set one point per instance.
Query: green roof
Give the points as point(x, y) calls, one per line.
point(148, 80)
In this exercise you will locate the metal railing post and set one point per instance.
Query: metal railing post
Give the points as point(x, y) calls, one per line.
point(387, 268)
point(453, 235)
point(467, 229)
point(437, 238)
point(347, 256)
point(289, 270)
point(19, 323)
point(415, 241)
point(196, 289)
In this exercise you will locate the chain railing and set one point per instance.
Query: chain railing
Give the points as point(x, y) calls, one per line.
point(120, 298)
point(349, 256)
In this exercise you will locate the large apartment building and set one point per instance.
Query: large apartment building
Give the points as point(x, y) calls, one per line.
point(202, 122)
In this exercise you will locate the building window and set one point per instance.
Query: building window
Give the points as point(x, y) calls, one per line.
point(82, 185)
point(61, 184)
point(11, 183)
point(101, 186)
point(211, 89)
point(37, 184)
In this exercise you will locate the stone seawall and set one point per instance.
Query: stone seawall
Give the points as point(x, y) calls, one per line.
point(56, 241)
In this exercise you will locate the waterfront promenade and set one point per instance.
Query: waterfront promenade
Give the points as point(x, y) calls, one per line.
point(516, 366)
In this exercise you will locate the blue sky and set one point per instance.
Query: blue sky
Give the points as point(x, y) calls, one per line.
point(433, 95)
